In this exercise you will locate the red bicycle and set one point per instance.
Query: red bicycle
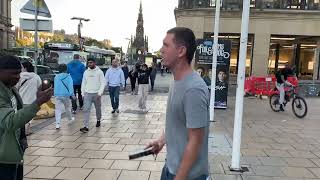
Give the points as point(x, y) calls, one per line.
point(299, 105)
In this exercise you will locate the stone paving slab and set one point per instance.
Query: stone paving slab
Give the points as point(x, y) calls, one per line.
point(275, 146)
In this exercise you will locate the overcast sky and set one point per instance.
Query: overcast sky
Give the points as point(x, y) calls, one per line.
point(110, 19)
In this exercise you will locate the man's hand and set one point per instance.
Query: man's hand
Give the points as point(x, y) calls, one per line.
point(98, 97)
point(44, 96)
point(156, 146)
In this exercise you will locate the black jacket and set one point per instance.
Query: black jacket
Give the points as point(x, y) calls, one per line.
point(143, 76)
point(286, 72)
point(125, 72)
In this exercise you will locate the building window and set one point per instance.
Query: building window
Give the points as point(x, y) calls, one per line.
point(298, 51)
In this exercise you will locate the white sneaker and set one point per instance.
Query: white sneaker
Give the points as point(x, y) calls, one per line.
point(57, 126)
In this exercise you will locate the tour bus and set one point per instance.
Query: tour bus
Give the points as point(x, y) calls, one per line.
point(103, 57)
point(61, 53)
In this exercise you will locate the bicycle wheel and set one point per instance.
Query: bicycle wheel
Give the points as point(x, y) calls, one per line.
point(274, 102)
point(299, 107)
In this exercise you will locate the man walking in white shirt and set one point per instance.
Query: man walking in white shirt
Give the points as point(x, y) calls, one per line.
point(92, 88)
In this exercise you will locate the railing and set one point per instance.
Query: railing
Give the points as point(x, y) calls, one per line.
point(255, 4)
point(6, 21)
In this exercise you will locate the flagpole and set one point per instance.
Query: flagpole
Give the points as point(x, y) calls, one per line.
point(214, 60)
point(36, 35)
point(235, 165)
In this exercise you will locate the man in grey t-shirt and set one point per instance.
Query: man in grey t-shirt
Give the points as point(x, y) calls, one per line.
point(187, 118)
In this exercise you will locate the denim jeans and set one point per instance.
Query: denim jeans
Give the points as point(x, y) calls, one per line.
point(166, 175)
point(114, 96)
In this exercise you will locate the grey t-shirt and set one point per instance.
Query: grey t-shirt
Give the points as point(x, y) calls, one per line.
point(187, 107)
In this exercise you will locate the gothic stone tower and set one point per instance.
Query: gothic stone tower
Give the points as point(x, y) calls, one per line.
point(140, 41)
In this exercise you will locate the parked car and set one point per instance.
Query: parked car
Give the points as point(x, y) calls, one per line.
point(46, 73)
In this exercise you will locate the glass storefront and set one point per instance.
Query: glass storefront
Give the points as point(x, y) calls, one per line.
point(298, 51)
point(254, 4)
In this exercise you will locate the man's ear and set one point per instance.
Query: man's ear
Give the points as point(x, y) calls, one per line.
point(182, 51)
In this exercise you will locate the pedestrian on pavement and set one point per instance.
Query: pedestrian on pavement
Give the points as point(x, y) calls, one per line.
point(143, 80)
point(28, 86)
point(76, 69)
point(162, 69)
point(137, 69)
point(133, 74)
point(125, 70)
point(114, 80)
point(153, 75)
point(63, 91)
point(92, 88)
point(187, 116)
point(13, 118)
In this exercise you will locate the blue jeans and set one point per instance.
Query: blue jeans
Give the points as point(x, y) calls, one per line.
point(114, 96)
point(166, 175)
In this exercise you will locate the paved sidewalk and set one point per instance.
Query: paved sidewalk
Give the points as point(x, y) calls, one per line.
point(275, 146)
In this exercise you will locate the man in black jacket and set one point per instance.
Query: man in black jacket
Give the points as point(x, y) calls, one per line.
point(125, 70)
point(153, 74)
point(143, 81)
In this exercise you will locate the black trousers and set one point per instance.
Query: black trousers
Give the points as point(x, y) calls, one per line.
point(133, 84)
point(152, 79)
point(11, 172)
point(77, 90)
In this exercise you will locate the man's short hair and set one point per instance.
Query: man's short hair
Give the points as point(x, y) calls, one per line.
point(91, 59)
point(28, 66)
point(76, 56)
point(185, 37)
point(9, 62)
point(62, 68)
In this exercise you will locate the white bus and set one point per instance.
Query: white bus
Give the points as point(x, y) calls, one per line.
point(60, 53)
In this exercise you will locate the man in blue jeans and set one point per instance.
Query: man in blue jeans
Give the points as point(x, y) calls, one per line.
point(115, 79)
point(187, 117)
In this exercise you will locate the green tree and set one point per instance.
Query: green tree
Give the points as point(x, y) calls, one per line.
point(117, 49)
point(57, 38)
point(94, 42)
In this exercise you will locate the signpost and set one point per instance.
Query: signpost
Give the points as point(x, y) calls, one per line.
point(36, 8)
point(28, 25)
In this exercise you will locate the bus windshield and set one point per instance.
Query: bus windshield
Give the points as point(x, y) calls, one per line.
point(59, 53)
point(64, 57)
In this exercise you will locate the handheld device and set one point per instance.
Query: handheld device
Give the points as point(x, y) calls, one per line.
point(46, 84)
point(140, 153)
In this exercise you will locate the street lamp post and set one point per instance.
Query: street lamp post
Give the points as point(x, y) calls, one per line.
point(79, 29)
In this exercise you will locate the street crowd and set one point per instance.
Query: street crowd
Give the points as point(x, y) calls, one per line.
point(187, 117)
